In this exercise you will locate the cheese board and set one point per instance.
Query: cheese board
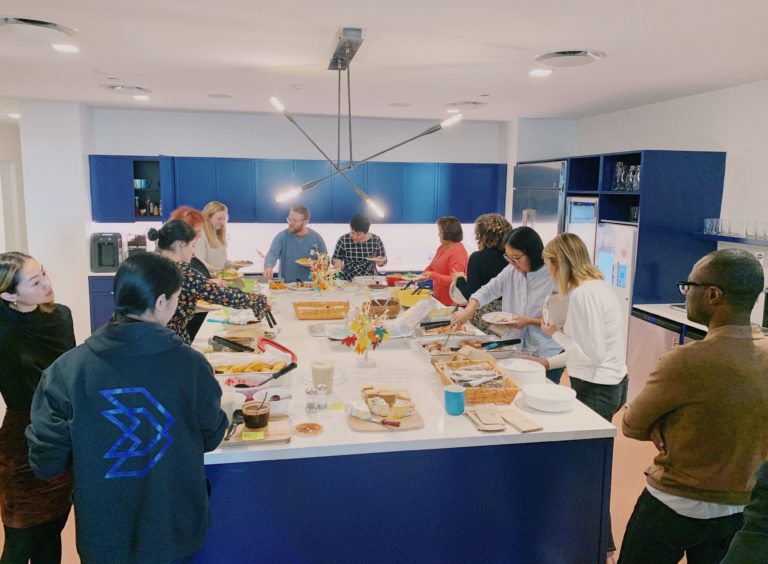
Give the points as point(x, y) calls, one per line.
point(415, 421)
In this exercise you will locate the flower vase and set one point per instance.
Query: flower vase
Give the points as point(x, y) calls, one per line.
point(364, 361)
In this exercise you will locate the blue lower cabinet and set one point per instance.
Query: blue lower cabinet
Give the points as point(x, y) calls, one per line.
point(102, 300)
point(386, 183)
point(317, 198)
point(236, 188)
point(195, 181)
point(344, 201)
point(419, 193)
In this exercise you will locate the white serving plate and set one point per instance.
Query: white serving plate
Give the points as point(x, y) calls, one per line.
point(499, 318)
point(524, 372)
point(549, 397)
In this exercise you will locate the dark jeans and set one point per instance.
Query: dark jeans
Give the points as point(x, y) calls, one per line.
point(555, 374)
point(40, 544)
point(605, 400)
point(657, 535)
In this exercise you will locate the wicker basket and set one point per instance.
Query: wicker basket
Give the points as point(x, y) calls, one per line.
point(481, 394)
point(321, 310)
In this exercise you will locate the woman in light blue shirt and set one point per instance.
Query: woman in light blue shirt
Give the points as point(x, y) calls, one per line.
point(523, 286)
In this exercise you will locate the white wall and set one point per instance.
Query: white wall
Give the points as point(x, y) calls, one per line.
point(539, 139)
point(54, 141)
point(13, 233)
point(141, 132)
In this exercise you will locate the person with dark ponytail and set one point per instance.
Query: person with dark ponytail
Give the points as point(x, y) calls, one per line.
point(176, 241)
point(34, 331)
point(132, 411)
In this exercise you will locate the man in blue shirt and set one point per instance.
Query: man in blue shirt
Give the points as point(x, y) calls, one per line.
point(296, 242)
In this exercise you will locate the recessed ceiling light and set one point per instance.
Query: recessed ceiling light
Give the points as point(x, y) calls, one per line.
point(219, 95)
point(14, 116)
point(466, 105)
point(65, 48)
point(399, 104)
point(125, 89)
point(452, 111)
point(574, 58)
point(540, 73)
point(141, 97)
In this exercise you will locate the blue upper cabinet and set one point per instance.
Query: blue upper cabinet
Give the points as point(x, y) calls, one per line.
point(112, 197)
point(274, 176)
point(419, 193)
point(317, 198)
point(167, 186)
point(488, 189)
point(344, 201)
point(386, 183)
point(236, 188)
point(456, 191)
point(195, 181)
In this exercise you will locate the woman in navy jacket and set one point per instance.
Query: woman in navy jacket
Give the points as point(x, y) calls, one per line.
point(132, 410)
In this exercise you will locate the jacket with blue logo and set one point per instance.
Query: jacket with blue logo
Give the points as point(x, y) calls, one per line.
point(132, 410)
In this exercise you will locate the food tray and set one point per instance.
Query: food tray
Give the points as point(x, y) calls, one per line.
point(481, 394)
point(321, 310)
point(445, 331)
point(454, 341)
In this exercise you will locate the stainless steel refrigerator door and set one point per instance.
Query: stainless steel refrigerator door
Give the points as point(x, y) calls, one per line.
point(539, 209)
point(546, 175)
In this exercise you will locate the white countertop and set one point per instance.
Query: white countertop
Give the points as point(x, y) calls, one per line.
point(400, 365)
point(668, 312)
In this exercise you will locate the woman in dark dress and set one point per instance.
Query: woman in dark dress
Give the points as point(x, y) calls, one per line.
point(491, 229)
point(176, 241)
point(34, 332)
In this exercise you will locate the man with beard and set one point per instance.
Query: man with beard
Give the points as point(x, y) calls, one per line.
point(705, 407)
point(296, 242)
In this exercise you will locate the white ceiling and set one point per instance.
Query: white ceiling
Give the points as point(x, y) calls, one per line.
point(426, 53)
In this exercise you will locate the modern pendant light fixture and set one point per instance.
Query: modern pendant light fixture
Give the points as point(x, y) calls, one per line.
point(347, 44)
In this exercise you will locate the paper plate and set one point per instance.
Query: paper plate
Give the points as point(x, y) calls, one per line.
point(499, 318)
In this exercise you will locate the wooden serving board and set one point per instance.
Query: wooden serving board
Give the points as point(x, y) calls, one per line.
point(414, 421)
point(278, 431)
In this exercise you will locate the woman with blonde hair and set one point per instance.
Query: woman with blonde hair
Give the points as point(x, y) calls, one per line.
point(212, 247)
point(593, 333)
point(34, 332)
point(491, 229)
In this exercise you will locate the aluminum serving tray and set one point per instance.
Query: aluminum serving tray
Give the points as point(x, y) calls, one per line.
point(456, 340)
point(421, 332)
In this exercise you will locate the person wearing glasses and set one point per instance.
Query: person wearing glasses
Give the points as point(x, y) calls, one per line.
point(523, 287)
point(705, 407)
point(292, 244)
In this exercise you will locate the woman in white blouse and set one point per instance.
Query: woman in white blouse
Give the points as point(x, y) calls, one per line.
point(593, 335)
point(523, 286)
point(212, 246)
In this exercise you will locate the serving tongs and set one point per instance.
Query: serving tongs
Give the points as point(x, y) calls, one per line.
point(493, 345)
point(237, 347)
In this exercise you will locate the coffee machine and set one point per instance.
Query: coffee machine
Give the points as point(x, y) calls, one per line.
point(106, 252)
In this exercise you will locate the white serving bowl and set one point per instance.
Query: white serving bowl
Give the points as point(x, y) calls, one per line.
point(230, 401)
point(523, 372)
point(549, 397)
point(278, 407)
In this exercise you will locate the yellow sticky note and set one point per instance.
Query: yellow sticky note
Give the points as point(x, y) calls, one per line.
point(339, 406)
point(253, 435)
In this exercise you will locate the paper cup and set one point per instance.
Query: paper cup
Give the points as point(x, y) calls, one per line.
point(454, 399)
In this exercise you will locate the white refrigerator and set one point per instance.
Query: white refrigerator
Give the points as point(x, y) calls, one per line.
point(615, 247)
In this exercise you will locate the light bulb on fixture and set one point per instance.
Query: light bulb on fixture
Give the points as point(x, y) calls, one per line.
point(375, 207)
point(288, 194)
point(277, 104)
point(451, 121)
point(540, 73)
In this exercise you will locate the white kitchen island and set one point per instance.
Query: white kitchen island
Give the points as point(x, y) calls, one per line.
point(443, 493)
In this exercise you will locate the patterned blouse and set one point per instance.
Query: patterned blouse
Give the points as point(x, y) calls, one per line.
point(354, 256)
point(195, 286)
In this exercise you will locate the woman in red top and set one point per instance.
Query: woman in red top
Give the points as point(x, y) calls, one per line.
point(451, 256)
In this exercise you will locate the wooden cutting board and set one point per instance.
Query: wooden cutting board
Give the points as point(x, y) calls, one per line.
point(278, 431)
point(414, 421)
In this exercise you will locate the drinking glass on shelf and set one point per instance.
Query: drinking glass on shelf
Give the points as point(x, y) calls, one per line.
point(618, 177)
point(752, 229)
point(725, 226)
point(636, 179)
point(711, 226)
point(738, 228)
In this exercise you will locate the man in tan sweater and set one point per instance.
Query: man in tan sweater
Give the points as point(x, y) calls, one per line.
point(705, 407)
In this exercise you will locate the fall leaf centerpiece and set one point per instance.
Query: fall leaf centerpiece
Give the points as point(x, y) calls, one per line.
point(322, 273)
point(366, 331)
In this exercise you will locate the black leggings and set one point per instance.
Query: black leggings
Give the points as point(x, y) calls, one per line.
point(40, 544)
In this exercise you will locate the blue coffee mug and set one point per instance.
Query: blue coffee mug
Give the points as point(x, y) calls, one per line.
point(454, 399)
